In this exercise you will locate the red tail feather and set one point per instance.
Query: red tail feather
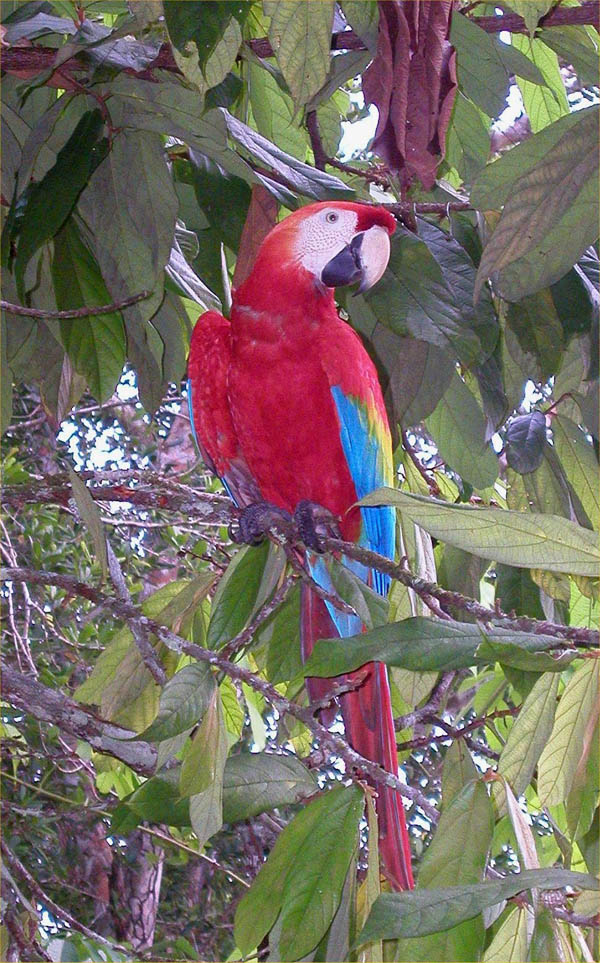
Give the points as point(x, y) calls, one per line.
point(367, 714)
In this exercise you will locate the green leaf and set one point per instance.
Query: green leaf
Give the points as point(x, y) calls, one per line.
point(51, 200)
point(363, 17)
point(459, 274)
point(303, 876)
point(282, 633)
point(183, 702)
point(236, 595)
point(233, 709)
point(255, 782)
point(579, 461)
point(545, 941)
point(303, 178)
point(207, 752)
point(300, 35)
point(482, 75)
point(458, 850)
point(90, 516)
point(547, 102)
point(413, 297)
point(458, 429)
point(371, 608)
point(510, 939)
point(95, 344)
point(516, 590)
point(576, 47)
point(206, 38)
point(422, 644)
point(423, 911)
point(529, 733)
point(531, 10)
point(273, 112)
point(467, 139)
point(582, 801)
point(526, 540)
point(6, 384)
point(571, 735)
point(210, 755)
point(553, 195)
point(130, 207)
point(156, 801)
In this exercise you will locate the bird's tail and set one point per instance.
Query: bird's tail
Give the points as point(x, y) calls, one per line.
point(369, 724)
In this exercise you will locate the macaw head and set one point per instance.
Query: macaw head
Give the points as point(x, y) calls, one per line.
point(330, 244)
point(343, 243)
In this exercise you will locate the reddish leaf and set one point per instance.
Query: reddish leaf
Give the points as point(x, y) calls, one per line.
point(412, 82)
point(261, 217)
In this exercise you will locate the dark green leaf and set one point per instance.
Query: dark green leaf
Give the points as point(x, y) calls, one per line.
point(51, 200)
point(458, 428)
point(255, 782)
point(224, 199)
point(423, 911)
point(282, 633)
point(534, 336)
point(95, 344)
point(515, 589)
point(550, 211)
point(203, 23)
point(420, 644)
point(413, 297)
point(301, 38)
point(574, 45)
point(545, 941)
point(236, 595)
point(529, 733)
point(525, 442)
point(156, 801)
point(371, 608)
point(482, 75)
point(459, 274)
point(183, 702)
point(303, 876)
point(578, 458)
point(458, 850)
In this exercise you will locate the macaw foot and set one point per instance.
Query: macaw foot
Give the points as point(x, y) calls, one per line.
point(253, 523)
point(315, 522)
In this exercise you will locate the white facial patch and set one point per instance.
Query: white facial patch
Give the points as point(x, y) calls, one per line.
point(324, 235)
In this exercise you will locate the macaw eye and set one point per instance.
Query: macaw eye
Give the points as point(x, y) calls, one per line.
point(331, 217)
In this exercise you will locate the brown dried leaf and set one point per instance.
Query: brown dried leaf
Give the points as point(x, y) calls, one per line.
point(412, 81)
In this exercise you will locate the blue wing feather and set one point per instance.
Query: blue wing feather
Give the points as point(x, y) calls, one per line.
point(371, 468)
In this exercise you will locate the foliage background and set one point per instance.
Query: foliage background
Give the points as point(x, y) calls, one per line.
point(147, 148)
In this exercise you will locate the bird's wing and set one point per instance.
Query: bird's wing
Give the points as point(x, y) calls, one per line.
point(210, 416)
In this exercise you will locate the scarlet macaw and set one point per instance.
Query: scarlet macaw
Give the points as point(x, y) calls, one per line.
point(287, 410)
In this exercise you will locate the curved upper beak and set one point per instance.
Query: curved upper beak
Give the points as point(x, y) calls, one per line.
point(364, 259)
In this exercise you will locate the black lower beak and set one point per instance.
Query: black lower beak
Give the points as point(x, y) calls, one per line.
point(346, 266)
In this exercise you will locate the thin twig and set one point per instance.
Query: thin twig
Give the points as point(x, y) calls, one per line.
point(84, 312)
point(140, 636)
point(17, 867)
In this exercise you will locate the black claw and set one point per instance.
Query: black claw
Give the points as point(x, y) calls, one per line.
point(252, 525)
point(315, 522)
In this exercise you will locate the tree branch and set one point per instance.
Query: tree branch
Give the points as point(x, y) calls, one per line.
point(128, 613)
point(51, 706)
point(154, 492)
point(587, 637)
point(84, 312)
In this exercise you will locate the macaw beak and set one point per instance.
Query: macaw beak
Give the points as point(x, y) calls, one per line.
point(364, 259)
